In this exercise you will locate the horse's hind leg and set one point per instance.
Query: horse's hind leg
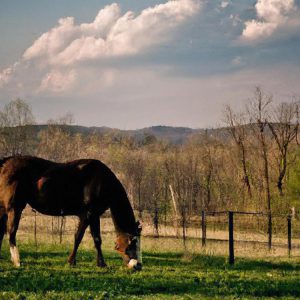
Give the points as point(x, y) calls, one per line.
point(12, 227)
point(83, 224)
point(3, 220)
point(95, 231)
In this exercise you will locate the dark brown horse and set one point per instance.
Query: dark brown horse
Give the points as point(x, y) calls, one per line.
point(85, 188)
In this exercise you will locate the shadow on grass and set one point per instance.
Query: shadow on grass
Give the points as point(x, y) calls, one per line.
point(218, 262)
point(247, 264)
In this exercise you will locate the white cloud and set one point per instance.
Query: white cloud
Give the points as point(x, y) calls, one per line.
point(224, 4)
point(235, 19)
point(59, 54)
point(256, 30)
point(6, 74)
point(274, 10)
point(237, 61)
point(110, 34)
point(57, 81)
point(271, 16)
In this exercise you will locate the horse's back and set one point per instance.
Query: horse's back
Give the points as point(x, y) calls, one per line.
point(57, 188)
point(17, 175)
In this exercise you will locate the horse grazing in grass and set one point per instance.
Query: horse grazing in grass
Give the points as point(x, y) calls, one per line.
point(85, 188)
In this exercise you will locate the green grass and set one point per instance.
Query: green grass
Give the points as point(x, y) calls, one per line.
point(44, 274)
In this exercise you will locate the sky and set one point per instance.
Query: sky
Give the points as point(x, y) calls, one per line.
point(134, 64)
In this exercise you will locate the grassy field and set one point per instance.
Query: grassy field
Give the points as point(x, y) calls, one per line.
point(44, 274)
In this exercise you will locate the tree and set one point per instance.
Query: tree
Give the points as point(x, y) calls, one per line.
point(284, 127)
point(57, 143)
point(153, 190)
point(258, 112)
point(238, 131)
point(134, 167)
point(16, 134)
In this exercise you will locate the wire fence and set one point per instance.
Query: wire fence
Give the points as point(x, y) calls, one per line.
point(228, 232)
point(271, 230)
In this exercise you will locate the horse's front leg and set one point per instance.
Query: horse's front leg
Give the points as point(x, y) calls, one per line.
point(3, 221)
point(12, 227)
point(95, 231)
point(83, 223)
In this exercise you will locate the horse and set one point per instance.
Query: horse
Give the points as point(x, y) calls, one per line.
point(85, 188)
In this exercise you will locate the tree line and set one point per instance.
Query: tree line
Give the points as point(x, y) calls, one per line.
point(249, 164)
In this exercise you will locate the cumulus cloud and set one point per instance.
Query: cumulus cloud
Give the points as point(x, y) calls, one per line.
point(237, 61)
point(57, 81)
point(59, 54)
point(271, 16)
point(7, 74)
point(224, 4)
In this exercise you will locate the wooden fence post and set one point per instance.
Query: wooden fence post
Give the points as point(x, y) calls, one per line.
point(231, 240)
point(61, 230)
point(176, 218)
point(289, 229)
point(35, 229)
point(203, 226)
point(270, 230)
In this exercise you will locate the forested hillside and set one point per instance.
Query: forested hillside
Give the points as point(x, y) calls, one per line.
point(252, 163)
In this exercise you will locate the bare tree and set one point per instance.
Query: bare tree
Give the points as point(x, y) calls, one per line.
point(134, 166)
point(258, 112)
point(15, 131)
point(57, 143)
point(284, 127)
point(175, 173)
point(238, 131)
point(208, 148)
point(153, 191)
point(181, 170)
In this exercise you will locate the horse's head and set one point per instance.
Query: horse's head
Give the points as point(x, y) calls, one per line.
point(129, 246)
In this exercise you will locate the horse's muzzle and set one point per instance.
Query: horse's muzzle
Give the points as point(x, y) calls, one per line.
point(138, 267)
point(135, 265)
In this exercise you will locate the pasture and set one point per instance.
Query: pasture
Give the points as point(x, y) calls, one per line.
point(168, 272)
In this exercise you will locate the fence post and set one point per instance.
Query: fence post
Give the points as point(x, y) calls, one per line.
point(270, 230)
point(35, 229)
point(231, 240)
point(203, 225)
point(289, 227)
point(61, 229)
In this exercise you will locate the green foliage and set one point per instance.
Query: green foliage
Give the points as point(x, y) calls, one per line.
point(44, 274)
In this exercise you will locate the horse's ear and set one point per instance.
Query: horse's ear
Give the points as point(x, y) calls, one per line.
point(139, 226)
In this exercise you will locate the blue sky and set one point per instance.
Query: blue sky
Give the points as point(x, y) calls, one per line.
point(169, 63)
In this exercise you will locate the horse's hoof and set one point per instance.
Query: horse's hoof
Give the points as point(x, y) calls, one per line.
point(72, 263)
point(17, 265)
point(102, 265)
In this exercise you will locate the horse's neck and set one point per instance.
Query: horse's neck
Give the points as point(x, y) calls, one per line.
point(122, 213)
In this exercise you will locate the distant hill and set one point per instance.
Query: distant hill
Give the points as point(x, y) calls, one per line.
point(174, 135)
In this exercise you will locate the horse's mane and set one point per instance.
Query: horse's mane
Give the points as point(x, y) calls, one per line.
point(4, 160)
